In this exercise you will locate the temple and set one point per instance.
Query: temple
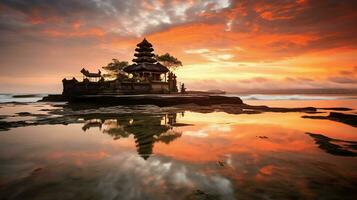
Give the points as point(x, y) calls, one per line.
point(145, 66)
point(145, 76)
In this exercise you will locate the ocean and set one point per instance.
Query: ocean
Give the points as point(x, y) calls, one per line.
point(22, 98)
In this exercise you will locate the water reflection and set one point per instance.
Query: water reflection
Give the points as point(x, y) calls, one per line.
point(146, 129)
point(220, 155)
point(334, 146)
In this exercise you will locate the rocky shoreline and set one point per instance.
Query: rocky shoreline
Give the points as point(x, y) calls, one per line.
point(226, 103)
point(109, 106)
point(117, 105)
point(147, 99)
point(192, 102)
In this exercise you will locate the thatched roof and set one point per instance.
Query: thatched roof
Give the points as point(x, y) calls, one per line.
point(149, 67)
point(144, 43)
point(144, 59)
point(91, 75)
point(141, 54)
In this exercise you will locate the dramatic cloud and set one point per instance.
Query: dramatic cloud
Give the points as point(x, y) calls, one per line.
point(216, 39)
point(126, 18)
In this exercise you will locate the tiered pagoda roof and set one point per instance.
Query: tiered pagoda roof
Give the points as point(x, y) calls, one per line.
point(145, 60)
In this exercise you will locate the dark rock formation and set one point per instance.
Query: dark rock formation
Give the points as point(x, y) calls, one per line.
point(23, 114)
point(349, 119)
point(55, 98)
point(343, 148)
point(209, 103)
point(336, 109)
point(158, 100)
point(25, 96)
point(270, 109)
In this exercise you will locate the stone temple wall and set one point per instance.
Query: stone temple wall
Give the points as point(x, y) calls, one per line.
point(74, 88)
point(159, 87)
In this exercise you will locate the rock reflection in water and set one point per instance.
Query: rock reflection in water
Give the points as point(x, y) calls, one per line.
point(146, 129)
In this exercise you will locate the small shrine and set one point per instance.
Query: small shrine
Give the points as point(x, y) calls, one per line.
point(93, 77)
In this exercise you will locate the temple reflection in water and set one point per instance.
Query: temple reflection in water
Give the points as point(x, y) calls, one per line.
point(146, 129)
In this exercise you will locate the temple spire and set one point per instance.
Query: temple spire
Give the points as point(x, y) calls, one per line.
point(144, 53)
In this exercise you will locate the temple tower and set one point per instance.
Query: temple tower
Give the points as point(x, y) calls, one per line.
point(144, 53)
point(145, 65)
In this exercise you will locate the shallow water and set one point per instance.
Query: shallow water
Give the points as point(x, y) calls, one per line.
point(176, 155)
point(24, 98)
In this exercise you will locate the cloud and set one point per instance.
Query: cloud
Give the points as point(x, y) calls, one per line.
point(197, 51)
point(128, 18)
point(284, 27)
point(212, 55)
point(343, 80)
point(134, 170)
point(243, 39)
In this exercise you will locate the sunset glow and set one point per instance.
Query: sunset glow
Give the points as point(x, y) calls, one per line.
point(178, 99)
point(223, 44)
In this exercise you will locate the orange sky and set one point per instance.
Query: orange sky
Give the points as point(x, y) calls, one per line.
point(223, 44)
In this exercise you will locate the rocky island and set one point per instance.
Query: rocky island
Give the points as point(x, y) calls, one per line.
point(150, 80)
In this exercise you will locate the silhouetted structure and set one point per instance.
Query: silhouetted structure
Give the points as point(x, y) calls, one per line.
point(145, 65)
point(172, 82)
point(183, 89)
point(148, 77)
point(91, 76)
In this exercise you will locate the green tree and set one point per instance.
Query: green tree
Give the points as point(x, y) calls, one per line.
point(115, 68)
point(169, 61)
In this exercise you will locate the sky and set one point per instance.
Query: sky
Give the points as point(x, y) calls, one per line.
point(232, 45)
